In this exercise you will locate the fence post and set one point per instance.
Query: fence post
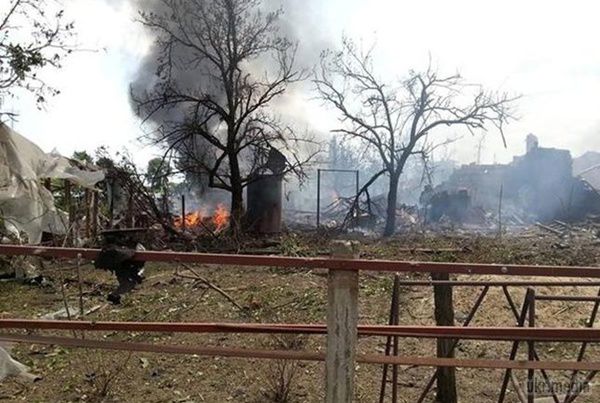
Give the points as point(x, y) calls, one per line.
point(318, 198)
point(444, 316)
point(342, 320)
point(531, 347)
point(70, 236)
point(392, 343)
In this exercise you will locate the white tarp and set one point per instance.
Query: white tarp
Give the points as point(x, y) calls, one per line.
point(10, 367)
point(25, 204)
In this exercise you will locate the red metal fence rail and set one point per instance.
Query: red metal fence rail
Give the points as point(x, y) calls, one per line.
point(312, 263)
point(302, 355)
point(547, 334)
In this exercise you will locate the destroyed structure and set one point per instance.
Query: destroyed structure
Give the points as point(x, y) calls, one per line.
point(537, 186)
point(29, 209)
point(264, 195)
point(26, 205)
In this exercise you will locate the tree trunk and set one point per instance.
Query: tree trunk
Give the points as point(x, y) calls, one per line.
point(390, 220)
point(237, 197)
point(237, 210)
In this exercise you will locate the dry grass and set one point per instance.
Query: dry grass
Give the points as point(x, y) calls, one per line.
point(285, 296)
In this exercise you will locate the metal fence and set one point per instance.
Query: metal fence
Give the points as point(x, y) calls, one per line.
point(342, 328)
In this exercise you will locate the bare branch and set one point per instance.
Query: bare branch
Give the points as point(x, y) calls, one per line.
point(220, 65)
point(396, 119)
point(33, 36)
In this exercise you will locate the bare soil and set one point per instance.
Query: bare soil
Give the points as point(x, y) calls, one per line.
point(287, 296)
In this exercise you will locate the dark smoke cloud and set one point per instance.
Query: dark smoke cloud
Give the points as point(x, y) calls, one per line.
point(300, 22)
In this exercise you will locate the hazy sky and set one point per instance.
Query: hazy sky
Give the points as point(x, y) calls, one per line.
point(545, 50)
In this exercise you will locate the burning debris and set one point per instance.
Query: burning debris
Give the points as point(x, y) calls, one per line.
point(220, 218)
point(190, 220)
point(200, 220)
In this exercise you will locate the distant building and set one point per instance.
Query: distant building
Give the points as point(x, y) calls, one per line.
point(532, 142)
point(539, 184)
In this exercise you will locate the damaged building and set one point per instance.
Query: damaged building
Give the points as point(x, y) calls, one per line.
point(26, 205)
point(536, 186)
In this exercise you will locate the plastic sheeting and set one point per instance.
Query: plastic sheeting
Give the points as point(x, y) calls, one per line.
point(25, 204)
point(10, 367)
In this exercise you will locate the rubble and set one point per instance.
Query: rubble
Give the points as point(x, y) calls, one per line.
point(70, 312)
point(539, 185)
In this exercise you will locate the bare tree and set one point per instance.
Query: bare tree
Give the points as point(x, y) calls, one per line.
point(220, 65)
point(405, 118)
point(33, 35)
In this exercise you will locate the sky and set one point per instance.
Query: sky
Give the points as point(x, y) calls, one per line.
point(546, 51)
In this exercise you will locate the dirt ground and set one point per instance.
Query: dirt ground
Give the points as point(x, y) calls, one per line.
point(280, 295)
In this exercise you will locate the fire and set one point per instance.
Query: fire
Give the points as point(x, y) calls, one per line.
point(191, 220)
point(220, 217)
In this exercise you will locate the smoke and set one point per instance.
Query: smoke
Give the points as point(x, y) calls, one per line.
point(300, 23)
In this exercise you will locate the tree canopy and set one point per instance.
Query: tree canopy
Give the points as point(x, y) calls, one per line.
point(34, 35)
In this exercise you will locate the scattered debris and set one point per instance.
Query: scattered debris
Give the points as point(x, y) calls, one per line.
point(204, 281)
point(117, 257)
point(548, 228)
point(70, 313)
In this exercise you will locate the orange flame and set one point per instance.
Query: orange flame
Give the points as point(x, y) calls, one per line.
point(191, 220)
point(220, 217)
